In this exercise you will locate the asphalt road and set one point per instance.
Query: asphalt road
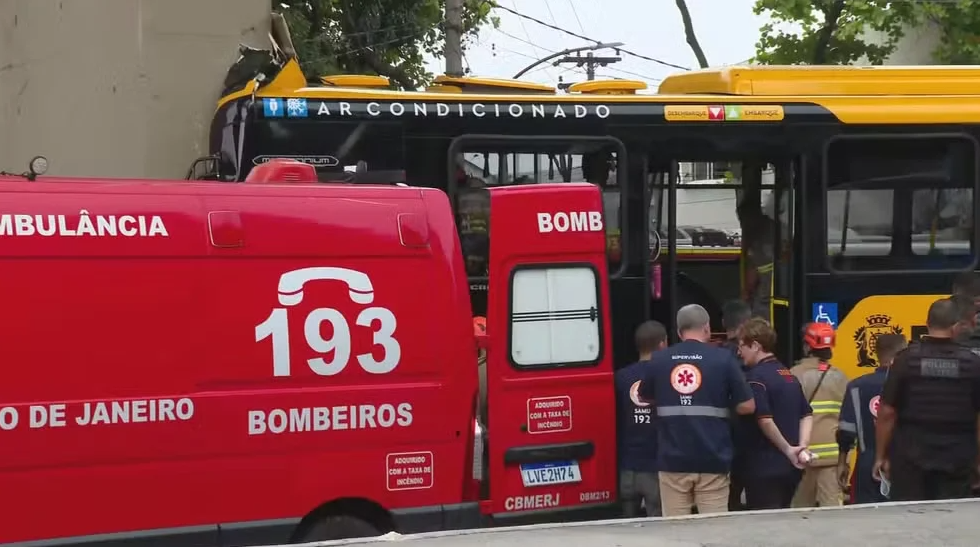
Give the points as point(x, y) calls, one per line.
point(887, 525)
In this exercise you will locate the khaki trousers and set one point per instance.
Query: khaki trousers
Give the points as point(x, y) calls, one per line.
point(681, 492)
point(818, 488)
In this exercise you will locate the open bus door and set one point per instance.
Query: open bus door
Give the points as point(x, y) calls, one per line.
point(551, 405)
point(783, 302)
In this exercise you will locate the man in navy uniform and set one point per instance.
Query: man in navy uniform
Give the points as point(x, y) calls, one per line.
point(734, 314)
point(694, 385)
point(775, 440)
point(638, 480)
point(858, 414)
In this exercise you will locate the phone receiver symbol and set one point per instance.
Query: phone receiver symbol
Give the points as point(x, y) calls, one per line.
point(291, 284)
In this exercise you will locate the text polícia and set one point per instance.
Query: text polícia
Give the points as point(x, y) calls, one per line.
point(96, 413)
point(326, 418)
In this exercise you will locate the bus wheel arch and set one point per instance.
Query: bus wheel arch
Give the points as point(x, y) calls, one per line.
point(342, 519)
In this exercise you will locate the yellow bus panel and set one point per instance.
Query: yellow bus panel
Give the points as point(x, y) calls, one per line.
point(808, 81)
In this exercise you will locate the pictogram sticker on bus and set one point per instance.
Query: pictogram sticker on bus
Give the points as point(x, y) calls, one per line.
point(409, 470)
point(549, 414)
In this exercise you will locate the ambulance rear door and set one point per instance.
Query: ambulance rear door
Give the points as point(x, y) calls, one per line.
point(551, 404)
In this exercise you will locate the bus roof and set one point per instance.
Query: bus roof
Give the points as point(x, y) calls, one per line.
point(797, 81)
point(869, 95)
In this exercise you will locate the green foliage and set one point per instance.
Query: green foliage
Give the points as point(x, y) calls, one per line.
point(832, 32)
point(959, 23)
point(386, 37)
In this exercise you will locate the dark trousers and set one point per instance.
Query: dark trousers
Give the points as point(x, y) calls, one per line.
point(771, 492)
point(735, 489)
point(636, 487)
point(912, 482)
point(864, 487)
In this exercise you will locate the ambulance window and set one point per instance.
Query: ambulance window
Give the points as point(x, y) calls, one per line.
point(554, 316)
point(900, 202)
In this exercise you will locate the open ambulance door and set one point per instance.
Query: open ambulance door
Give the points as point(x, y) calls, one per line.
point(551, 406)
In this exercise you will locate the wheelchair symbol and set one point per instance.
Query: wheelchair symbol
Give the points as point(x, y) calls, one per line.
point(822, 316)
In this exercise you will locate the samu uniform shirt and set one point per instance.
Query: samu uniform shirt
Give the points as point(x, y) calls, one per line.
point(694, 386)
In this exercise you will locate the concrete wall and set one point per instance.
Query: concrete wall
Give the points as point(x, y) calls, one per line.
point(914, 48)
point(122, 88)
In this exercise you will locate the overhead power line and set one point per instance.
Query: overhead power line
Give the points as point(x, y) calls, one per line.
point(586, 38)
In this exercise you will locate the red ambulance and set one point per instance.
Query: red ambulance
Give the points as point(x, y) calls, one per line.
point(278, 361)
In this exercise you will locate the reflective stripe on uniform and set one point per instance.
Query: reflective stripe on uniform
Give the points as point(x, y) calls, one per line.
point(828, 450)
point(707, 411)
point(858, 426)
point(765, 268)
point(825, 407)
point(847, 426)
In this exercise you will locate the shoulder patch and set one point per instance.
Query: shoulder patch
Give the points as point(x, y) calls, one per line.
point(635, 394)
point(874, 405)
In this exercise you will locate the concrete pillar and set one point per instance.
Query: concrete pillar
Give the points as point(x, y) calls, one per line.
point(117, 88)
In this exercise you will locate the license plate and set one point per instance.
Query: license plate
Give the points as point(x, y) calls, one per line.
point(541, 474)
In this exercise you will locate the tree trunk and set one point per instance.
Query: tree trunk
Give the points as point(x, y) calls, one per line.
point(692, 39)
point(826, 33)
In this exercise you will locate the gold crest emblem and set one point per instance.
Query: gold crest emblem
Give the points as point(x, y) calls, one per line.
point(865, 338)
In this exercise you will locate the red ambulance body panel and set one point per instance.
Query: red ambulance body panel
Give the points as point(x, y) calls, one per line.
point(258, 363)
point(181, 354)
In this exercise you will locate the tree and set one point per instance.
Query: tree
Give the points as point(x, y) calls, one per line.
point(830, 32)
point(385, 37)
point(959, 25)
point(834, 32)
point(692, 39)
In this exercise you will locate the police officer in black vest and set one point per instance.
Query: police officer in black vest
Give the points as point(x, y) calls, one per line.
point(929, 406)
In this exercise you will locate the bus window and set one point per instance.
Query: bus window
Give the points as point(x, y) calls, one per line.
point(942, 221)
point(487, 168)
point(332, 147)
point(900, 202)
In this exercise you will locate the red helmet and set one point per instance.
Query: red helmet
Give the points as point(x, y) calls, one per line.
point(819, 336)
point(479, 325)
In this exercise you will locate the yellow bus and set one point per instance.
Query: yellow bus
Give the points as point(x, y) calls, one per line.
point(870, 175)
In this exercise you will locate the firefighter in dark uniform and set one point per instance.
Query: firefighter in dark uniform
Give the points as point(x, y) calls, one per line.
point(858, 414)
point(929, 406)
point(693, 386)
point(637, 433)
point(734, 314)
point(775, 439)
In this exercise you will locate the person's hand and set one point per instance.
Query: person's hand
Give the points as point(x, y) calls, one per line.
point(793, 454)
point(843, 474)
point(880, 470)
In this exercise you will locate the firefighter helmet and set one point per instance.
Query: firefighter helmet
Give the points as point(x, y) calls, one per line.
point(819, 336)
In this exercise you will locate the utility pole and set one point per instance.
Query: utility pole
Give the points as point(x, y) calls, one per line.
point(454, 42)
point(590, 62)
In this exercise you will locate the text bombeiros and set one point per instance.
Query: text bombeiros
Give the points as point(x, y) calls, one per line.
point(329, 418)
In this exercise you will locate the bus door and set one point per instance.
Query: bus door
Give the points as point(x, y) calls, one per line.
point(780, 206)
point(550, 399)
point(483, 161)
